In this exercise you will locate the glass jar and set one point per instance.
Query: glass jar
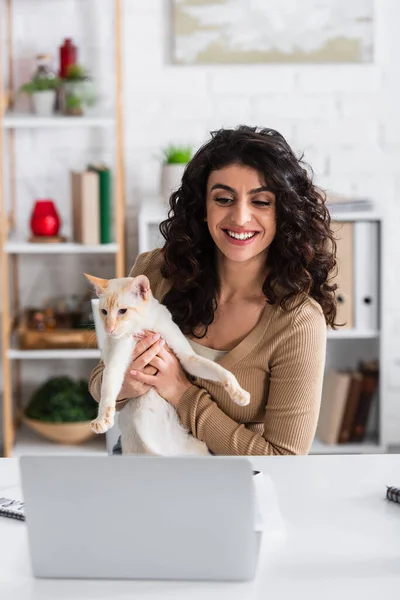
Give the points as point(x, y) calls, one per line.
point(43, 68)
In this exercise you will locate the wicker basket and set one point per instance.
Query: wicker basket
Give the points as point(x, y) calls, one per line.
point(62, 433)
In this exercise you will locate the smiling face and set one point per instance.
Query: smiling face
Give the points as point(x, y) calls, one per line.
point(240, 212)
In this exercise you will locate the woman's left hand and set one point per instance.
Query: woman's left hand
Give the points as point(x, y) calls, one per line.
point(170, 381)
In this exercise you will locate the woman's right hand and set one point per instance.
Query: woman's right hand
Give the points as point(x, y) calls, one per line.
point(143, 353)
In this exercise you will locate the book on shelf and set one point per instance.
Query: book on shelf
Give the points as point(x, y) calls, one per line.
point(347, 398)
point(350, 407)
point(85, 208)
point(105, 201)
point(334, 395)
point(91, 204)
point(369, 385)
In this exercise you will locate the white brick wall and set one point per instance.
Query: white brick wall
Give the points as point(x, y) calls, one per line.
point(345, 118)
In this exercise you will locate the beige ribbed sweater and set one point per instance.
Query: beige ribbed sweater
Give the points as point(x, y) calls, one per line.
point(280, 362)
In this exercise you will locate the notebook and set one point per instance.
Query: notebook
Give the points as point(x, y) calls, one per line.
point(393, 494)
point(11, 504)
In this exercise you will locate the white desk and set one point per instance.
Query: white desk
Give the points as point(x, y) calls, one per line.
point(341, 540)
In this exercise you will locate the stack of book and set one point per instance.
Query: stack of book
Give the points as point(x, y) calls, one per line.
point(347, 398)
point(91, 203)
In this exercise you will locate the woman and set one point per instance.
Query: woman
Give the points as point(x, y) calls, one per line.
point(245, 272)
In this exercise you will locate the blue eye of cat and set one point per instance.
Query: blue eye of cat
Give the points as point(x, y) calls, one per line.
point(103, 310)
point(122, 311)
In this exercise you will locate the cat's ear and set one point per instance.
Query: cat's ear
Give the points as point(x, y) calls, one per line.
point(141, 286)
point(100, 285)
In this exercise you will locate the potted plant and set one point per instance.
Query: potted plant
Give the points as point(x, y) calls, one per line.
point(77, 91)
point(174, 163)
point(43, 94)
point(61, 410)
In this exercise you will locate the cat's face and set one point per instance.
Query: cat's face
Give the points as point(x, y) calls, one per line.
point(122, 303)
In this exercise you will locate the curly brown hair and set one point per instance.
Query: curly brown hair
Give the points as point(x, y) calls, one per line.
point(301, 258)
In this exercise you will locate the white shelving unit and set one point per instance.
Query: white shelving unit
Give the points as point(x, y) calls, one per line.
point(368, 447)
point(18, 120)
point(78, 354)
point(344, 346)
point(12, 248)
point(28, 442)
point(352, 334)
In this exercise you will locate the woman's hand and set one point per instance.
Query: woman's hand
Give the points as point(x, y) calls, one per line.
point(144, 352)
point(170, 380)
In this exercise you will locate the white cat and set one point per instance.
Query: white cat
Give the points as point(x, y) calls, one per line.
point(149, 424)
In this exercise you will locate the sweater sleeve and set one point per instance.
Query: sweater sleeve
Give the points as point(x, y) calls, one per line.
point(142, 265)
point(292, 406)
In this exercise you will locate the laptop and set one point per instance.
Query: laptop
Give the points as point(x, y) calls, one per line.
point(141, 517)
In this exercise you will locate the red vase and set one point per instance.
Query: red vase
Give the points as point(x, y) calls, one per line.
point(44, 219)
point(68, 56)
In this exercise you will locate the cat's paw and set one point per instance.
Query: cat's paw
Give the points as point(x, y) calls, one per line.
point(103, 423)
point(99, 425)
point(236, 393)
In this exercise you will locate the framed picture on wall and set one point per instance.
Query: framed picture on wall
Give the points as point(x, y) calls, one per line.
point(272, 31)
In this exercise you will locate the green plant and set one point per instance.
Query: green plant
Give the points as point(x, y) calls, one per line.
point(177, 154)
point(62, 400)
point(78, 88)
point(38, 84)
point(73, 102)
point(76, 73)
